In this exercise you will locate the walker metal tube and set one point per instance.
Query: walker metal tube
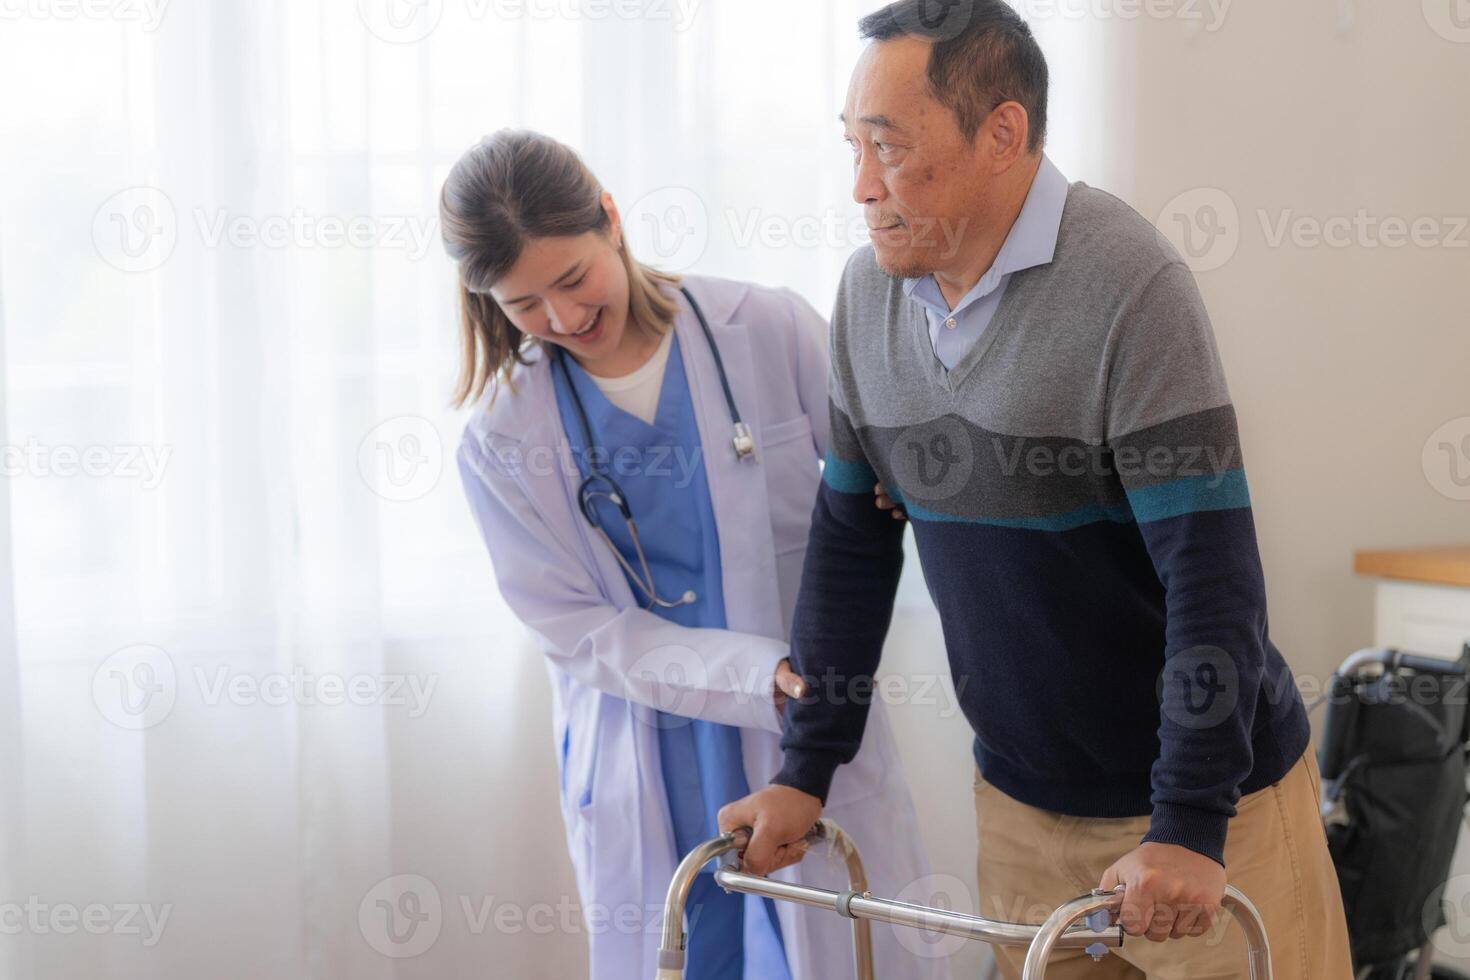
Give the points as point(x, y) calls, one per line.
point(856, 903)
point(862, 906)
point(1060, 930)
point(1258, 949)
point(857, 882)
point(671, 948)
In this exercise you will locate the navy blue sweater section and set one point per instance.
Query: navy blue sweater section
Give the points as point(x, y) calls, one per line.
point(1057, 637)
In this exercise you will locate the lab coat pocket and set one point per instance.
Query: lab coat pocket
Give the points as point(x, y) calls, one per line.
point(790, 456)
point(792, 474)
point(578, 767)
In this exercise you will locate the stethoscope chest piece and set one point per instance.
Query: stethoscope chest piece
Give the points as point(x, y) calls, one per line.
point(744, 441)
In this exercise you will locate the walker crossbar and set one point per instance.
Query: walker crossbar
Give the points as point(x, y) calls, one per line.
point(1098, 911)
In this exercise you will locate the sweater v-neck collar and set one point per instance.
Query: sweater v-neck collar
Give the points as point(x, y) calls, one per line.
point(951, 379)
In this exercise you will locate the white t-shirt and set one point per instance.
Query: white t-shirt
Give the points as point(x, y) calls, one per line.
point(637, 393)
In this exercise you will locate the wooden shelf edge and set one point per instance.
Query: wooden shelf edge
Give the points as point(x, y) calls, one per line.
point(1437, 566)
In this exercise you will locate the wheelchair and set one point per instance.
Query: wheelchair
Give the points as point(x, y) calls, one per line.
point(1393, 764)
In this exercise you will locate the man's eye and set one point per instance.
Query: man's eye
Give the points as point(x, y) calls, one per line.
point(882, 147)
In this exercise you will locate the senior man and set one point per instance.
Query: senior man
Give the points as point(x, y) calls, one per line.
point(1023, 366)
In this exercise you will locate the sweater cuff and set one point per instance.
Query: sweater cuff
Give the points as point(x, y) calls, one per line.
point(809, 770)
point(1202, 831)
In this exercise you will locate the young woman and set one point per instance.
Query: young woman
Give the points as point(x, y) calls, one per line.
point(642, 460)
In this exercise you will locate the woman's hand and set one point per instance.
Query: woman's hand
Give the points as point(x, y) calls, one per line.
point(885, 502)
point(788, 685)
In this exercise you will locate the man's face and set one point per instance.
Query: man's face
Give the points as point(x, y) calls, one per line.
point(914, 173)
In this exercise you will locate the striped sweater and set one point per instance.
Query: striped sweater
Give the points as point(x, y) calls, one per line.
point(1079, 504)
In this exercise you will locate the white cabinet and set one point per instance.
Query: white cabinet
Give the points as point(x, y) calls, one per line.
point(1420, 617)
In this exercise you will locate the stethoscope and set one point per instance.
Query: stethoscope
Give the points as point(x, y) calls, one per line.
point(599, 484)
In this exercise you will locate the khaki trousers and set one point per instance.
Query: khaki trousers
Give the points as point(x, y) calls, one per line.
point(1033, 860)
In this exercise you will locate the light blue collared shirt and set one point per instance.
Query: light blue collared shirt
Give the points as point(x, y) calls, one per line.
point(1032, 241)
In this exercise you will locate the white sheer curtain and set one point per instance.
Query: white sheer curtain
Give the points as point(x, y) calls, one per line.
point(254, 674)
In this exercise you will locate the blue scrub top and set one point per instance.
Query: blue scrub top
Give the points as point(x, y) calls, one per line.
point(660, 468)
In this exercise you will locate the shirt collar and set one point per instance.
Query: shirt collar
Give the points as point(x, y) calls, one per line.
point(1032, 240)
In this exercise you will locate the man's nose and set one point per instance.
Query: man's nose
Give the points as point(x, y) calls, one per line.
point(867, 187)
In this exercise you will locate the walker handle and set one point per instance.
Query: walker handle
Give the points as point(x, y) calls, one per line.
point(1100, 900)
point(671, 948)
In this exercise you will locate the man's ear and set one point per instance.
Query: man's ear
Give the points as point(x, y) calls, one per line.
point(1004, 135)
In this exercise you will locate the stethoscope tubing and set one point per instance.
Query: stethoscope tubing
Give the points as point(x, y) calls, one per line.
point(587, 490)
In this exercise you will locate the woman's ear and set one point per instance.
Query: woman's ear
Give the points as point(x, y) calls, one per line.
point(615, 229)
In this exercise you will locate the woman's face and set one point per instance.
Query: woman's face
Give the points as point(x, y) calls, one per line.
point(571, 291)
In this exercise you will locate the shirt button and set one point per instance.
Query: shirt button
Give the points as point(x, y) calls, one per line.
point(950, 324)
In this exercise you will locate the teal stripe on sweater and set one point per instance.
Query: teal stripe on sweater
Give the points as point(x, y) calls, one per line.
point(1187, 495)
point(845, 476)
point(1190, 495)
point(1091, 514)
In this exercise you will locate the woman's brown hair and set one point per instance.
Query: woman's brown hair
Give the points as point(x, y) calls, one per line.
point(513, 186)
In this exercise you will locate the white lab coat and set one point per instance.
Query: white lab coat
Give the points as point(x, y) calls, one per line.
point(612, 662)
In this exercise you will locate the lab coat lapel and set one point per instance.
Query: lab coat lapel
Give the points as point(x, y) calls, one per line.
point(737, 488)
point(551, 478)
